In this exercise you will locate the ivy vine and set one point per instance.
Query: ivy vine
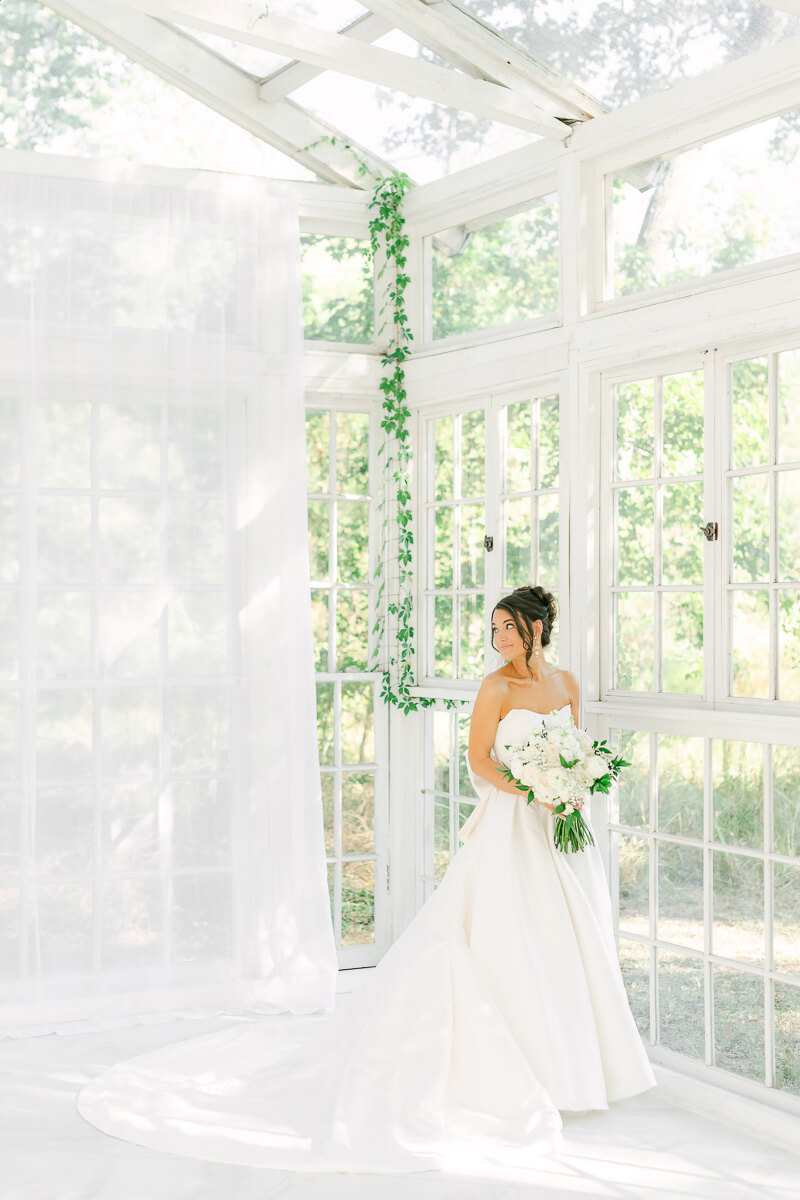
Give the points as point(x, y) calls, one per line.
point(394, 601)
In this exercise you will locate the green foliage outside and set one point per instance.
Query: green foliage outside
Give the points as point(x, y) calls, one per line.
point(338, 291)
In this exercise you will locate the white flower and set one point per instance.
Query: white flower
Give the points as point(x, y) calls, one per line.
point(596, 766)
point(568, 808)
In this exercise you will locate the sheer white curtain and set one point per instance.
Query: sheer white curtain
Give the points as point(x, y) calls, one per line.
point(160, 820)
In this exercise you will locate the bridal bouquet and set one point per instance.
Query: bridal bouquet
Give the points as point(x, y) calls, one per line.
point(562, 765)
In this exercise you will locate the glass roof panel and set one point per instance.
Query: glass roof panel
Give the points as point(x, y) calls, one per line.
point(258, 63)
point(620, 50)
point(329, 14)
point(424, 139)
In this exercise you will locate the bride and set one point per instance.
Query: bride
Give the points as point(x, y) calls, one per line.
point(499, 1008)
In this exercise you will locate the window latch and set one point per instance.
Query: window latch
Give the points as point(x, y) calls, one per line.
point(710, 531)
point(488, 543)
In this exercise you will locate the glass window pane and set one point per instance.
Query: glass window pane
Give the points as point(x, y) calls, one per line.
point(738, 782)
point(634, 783)
point(196, 546)
point(635, 406)
point(64, 443)
point(463, 782)
point(441, 837)
point(473, 480)
point(201, 916)
point(681, 1004)
point(443, 636)
point(473, 554)
point(338, 294)
point(197, 634)
point(196, 441)
point(472, 657)
point(352, 630)
point(443, 547)
point(132, 923)
point(358, 812)
point(750, 413)
point(789, 645)
point(63, 635)
point(738, 1022)
point(358, 903)
point(683, 424)
point(443, 458)
point(519, 454)
point(547, 558)
point(358, 723)
point(64, 540)
point(64, 927)
point(787, 1038)
point(352, 541)
point(130, 629)
point(129, 445)
point(9, 738)
point(786, 893)
point(10, 636)
point(129, 541)
point(634, 961)
point(680, 894)
point(317, 450)
point(682, 642)
point(9, 539)
point(682, 541)
point(750, 634)
point(789, 406)
point(634, 887)
point(441, 751)
point(327, 786)
point(201, 822)
point(325, 722)
point(737, 188)
point(319, 517)
point(131, 724)
point(130, 836)
point(634, 641)
point(64, 734)
point(635, 530)
point(517, 537)
point(750, 540)
point(352, 453)
point(738, 898)
point(680, 785)
point(504, 272)
point(549, 442)
point(785, 792)
point(788, 524)
point(64, 830)
point(9, 439)
point(200, 728)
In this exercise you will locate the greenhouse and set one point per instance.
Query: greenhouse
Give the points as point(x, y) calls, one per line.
point(325, 327)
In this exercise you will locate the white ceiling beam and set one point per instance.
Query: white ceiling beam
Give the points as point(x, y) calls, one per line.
point(280, 83)
point(463, 39)
point(333, 51)
point(217, 83)
point(789, 6)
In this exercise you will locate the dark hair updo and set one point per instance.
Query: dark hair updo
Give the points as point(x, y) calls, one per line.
point(526, 605)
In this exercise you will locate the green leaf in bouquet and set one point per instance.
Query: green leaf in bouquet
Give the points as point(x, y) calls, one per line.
point(567, 765)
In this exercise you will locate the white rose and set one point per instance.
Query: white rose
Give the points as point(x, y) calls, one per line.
point(596, 766)
point(568, 808)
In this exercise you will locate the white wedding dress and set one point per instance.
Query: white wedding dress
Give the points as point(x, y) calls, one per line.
point(499, 1007)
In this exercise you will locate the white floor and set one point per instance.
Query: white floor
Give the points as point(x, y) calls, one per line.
point(642, 1148)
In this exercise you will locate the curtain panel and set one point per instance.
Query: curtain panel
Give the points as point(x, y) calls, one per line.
point(161, 831)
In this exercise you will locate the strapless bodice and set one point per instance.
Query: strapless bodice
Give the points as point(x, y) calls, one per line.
point(514, 727)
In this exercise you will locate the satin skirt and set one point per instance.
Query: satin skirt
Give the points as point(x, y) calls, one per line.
point(500, 1007)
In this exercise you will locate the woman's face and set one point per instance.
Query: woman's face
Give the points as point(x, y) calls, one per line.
point(505, 636)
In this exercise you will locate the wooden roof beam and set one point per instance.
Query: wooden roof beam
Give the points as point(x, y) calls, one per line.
point(460, 37)
point(206, 76)
point(333, 51)
point(288, 79)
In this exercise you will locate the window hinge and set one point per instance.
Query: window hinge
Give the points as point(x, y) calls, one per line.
point(488, 543)
point(710, 531)
point(387, 877)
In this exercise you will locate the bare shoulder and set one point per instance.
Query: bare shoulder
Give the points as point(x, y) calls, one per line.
point(571, 684)
point(493, 687)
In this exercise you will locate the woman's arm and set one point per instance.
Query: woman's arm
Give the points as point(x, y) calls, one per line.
point(482, 733)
